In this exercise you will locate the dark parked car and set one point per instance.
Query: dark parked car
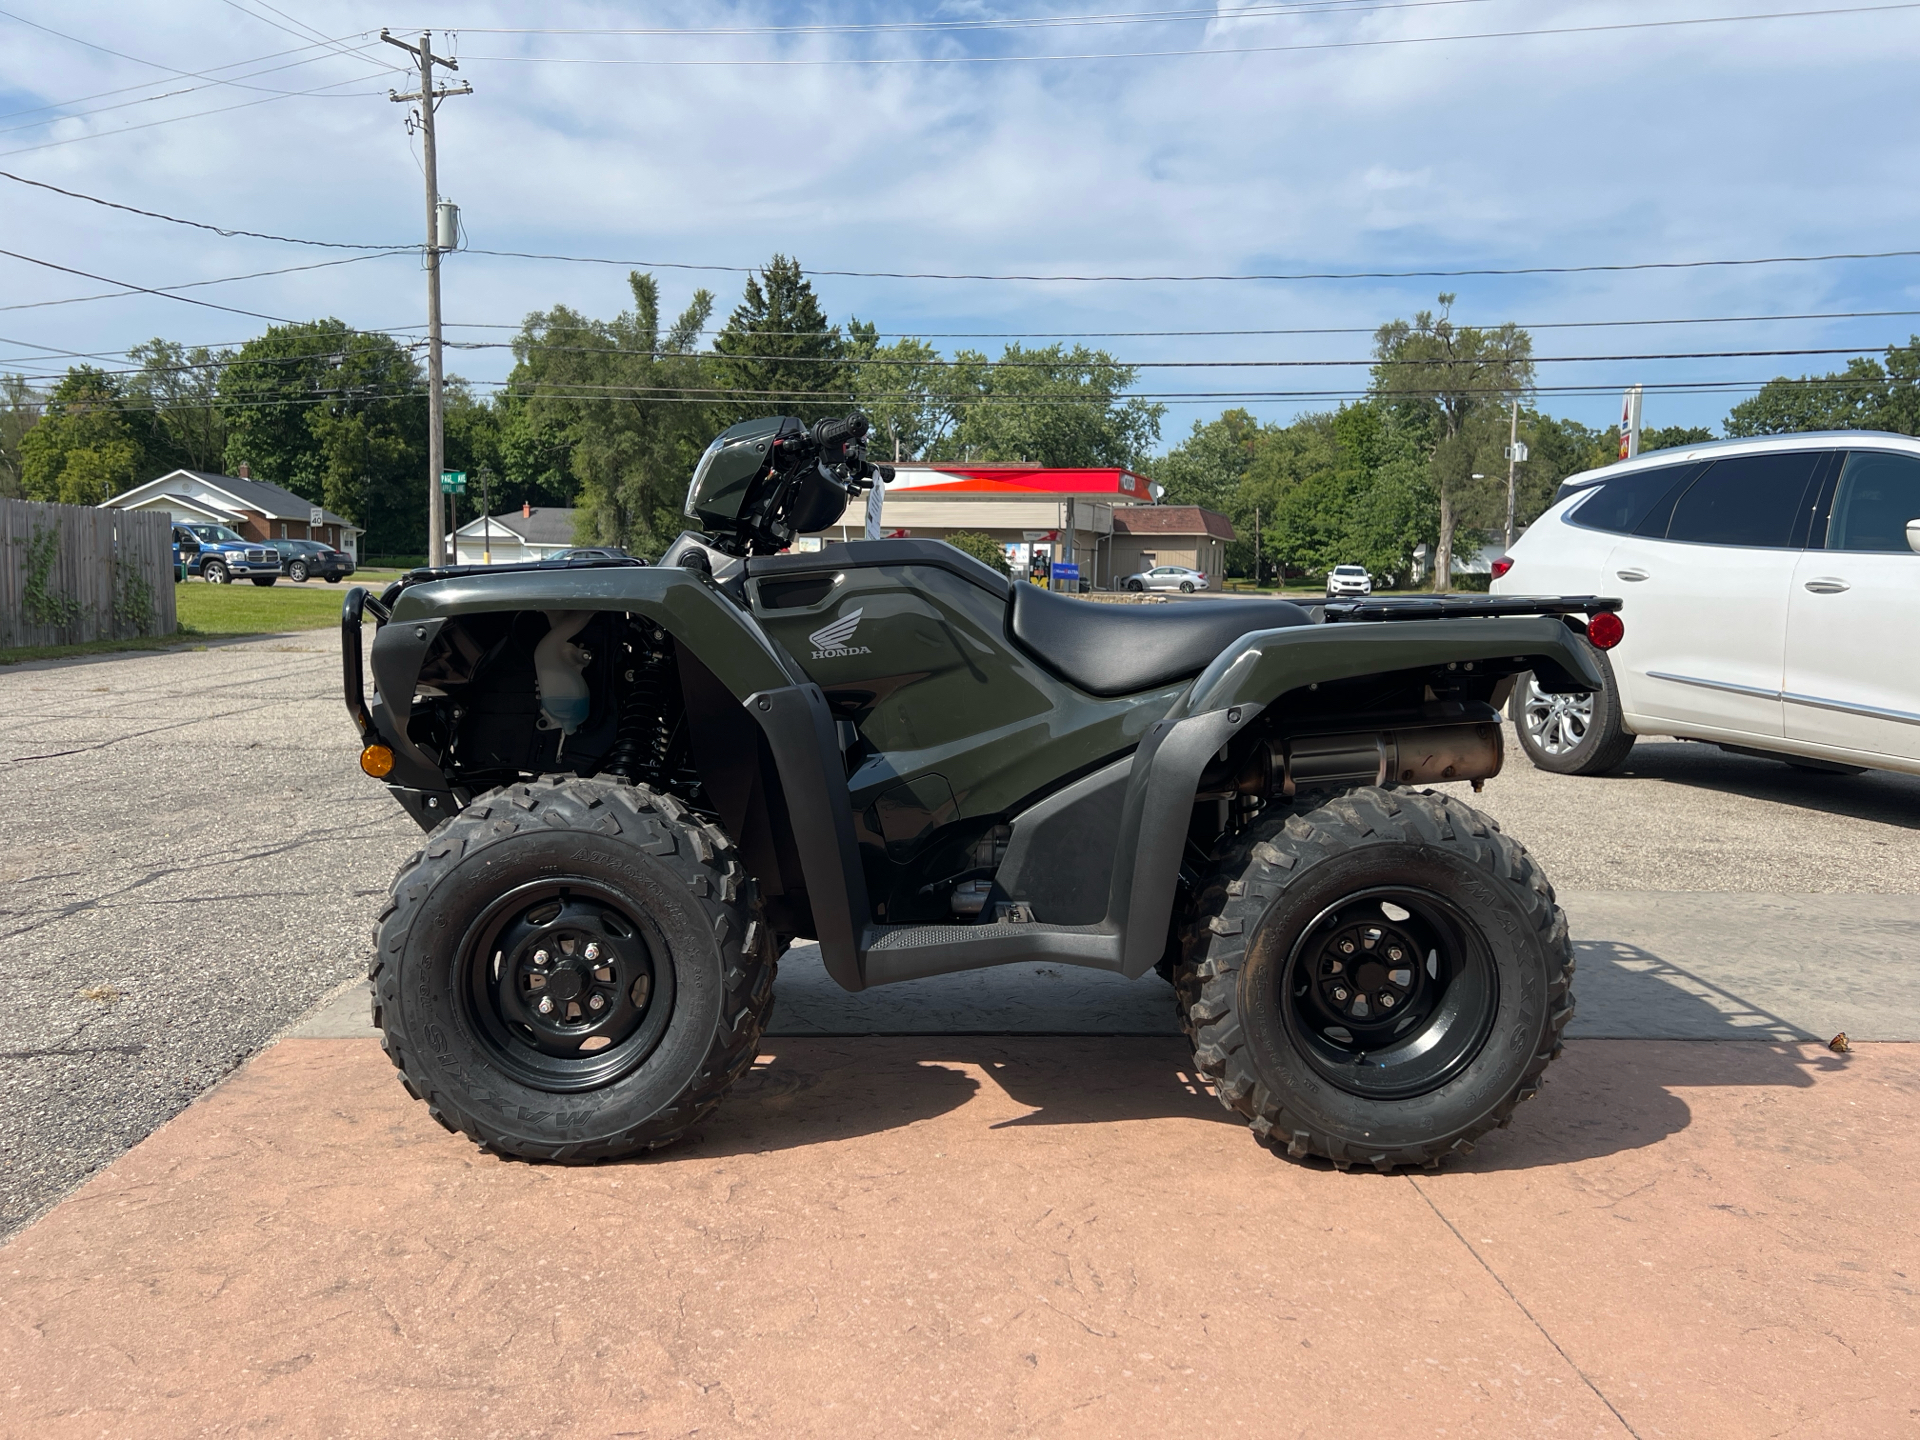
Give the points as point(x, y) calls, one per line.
point(303, 558)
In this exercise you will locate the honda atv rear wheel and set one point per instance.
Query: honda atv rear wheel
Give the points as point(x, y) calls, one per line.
point(572, 970)
point(1377, 982)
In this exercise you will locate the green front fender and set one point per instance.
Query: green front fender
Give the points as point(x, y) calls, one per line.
point(1258, 669)
point(684, 605)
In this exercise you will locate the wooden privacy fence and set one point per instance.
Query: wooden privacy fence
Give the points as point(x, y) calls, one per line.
point(73, 573)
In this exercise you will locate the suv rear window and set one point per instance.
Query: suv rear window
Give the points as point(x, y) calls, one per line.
point(1620, 504)
point(1750, 500)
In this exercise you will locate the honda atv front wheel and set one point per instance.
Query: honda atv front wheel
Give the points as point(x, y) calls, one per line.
point(572, 970)
point(1377, 982)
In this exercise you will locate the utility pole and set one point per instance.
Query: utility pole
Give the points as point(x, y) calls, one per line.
point(429, 99)
point(1516, 452)
point(1256, 549)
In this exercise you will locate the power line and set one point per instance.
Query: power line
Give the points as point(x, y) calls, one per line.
point(214, 70)
point(1304, 275)
point(201, 114)
point(190, 284)
point(195, 224)
point(839, 61)
point(146, 289)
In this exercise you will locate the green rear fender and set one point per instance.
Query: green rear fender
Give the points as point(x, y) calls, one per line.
point(1258, 669)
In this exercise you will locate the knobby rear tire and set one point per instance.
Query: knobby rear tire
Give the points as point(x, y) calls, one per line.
point(676, 875)
point(1267, 893)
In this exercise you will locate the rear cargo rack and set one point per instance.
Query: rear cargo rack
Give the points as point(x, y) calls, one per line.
point(1453, 607)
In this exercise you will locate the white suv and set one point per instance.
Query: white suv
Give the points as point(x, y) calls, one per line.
point(1348, 580)
point(1771, 596)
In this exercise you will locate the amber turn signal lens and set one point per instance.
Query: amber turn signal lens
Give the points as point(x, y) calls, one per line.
point(376, 760)
point(1604, 630)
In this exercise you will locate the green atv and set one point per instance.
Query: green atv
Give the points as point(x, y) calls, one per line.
point(641, 783)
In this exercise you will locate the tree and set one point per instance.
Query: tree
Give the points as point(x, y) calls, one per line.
point(606, 395)
point(1050, 406)
point(1867, 395)
point(902, 388)
point(1207, 467)
point(20, 407)
point(983, 548)
point(339, 417)
point(1446, 382)
point(777, 352)
point(84, 450)
point(180, 391)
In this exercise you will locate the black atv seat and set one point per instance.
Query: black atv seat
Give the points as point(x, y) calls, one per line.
point(1124, 649)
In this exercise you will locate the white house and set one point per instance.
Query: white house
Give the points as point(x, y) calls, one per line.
point(533, 532)
point(254, 509)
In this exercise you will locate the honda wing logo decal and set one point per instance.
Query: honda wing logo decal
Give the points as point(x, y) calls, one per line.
point(833, 642)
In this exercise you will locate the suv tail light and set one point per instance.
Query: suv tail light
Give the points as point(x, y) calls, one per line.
point(1502, 565)
point(1605, 630)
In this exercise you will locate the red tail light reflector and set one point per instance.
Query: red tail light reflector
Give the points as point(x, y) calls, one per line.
point(1605, 630)
point(1502, 565)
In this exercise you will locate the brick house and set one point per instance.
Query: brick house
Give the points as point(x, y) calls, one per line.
point(253, 509)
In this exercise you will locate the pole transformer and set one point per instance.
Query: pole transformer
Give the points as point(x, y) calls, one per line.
point(428, 97)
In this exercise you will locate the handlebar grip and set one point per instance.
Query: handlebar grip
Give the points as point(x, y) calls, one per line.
point(832, 432)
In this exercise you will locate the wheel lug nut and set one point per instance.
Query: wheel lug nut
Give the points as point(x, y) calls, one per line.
point(1346, 947)
point(597, 1002)
point(546, 1005)
point(593, 951)
point(1394, 953)
point(540, 957)
point(1340, 994)
point(1386, 1002)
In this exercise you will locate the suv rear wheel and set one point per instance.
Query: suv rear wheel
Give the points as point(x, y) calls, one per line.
point(1579, 734)
point(1377, 982)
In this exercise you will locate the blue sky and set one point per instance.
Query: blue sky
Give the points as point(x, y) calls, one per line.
point(1784, 136)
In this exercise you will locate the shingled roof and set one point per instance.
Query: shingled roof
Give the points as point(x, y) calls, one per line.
point(1171, 520)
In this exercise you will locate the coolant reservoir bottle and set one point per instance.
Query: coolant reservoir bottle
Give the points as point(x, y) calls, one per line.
point(557, 663)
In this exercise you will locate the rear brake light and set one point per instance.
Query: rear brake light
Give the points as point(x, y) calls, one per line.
point(1605, 630)
point(1502, 565)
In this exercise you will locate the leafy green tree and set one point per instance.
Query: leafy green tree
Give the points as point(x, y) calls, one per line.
point(1350, 488)
point(336, 416)
point(983, 548)
point(777, 354)
point(1207, 467)
point(1446, 383)
point(902, 388)
point(180, 391)
point(1867, 395)
point(85, 449)
point(20, 407)
point(1048, 406)
point(605, 394)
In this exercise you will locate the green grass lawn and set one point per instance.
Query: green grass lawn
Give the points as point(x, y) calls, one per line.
point(219, 612)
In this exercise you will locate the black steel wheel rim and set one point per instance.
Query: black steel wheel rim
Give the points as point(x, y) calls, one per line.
point(1390, 993)
point(565, 987)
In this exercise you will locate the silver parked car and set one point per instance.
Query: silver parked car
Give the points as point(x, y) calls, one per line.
point(1167, 577)
point(1348, 580)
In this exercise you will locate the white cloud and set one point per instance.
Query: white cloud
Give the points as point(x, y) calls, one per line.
point(1767, 138)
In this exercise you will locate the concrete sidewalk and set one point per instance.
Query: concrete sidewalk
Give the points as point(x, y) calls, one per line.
point(994, 1236)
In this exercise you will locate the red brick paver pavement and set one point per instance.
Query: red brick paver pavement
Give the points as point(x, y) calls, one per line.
point(994, 1237)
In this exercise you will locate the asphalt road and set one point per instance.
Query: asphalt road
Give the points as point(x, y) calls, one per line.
point(190, 859)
